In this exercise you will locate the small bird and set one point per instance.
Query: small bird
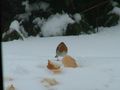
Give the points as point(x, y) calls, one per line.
point(61, 50)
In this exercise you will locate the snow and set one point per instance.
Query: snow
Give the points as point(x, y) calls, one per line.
point(38, 21)
point(25, 34)
point(77, 17)
point(23, 16)
point(98, 55)
point(114, 3)
point(56, 25)
point(44, 6)
point(15, 26)
point(35, 6)
point(27, 6)
point(116, 10)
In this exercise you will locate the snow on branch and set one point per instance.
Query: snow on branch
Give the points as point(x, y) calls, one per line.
point(35, 6)
point(56, 25)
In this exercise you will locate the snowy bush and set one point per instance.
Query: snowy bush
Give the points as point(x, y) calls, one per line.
point(15, 31)
point(15, 26)
point(56, 25)
point(44, 6)
point(79, 27)
point(38, 21)
point(35, 6)
point(111, 20)
point(22, 29)
point(77, 17)
point(23, 17)
point(73, 29)
point(116, 10)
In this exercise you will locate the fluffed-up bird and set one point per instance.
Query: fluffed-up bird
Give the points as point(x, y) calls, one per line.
point(61, 50)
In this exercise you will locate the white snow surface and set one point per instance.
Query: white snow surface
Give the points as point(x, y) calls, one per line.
point(98, 55)
point(56, 25)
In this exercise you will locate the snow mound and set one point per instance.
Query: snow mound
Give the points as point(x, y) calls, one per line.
point(77, 17)
point(56, 25)
point(38, 21)
point(116, 10)
point(15, 26)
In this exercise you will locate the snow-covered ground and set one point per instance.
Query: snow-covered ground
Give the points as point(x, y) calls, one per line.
point(24, 62)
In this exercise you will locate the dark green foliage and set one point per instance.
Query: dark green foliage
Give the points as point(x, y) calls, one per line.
point(95, 14)
point(37, 30)
point(86, 28)
point(117, 1)
point(79, 28)
point(118, 4)
point(63, 5)
point(111, 20)
point(29, 28)
point(93, 10)
point(73, 29)
point(9, 9)
point(12, 36)
point(40, 13)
